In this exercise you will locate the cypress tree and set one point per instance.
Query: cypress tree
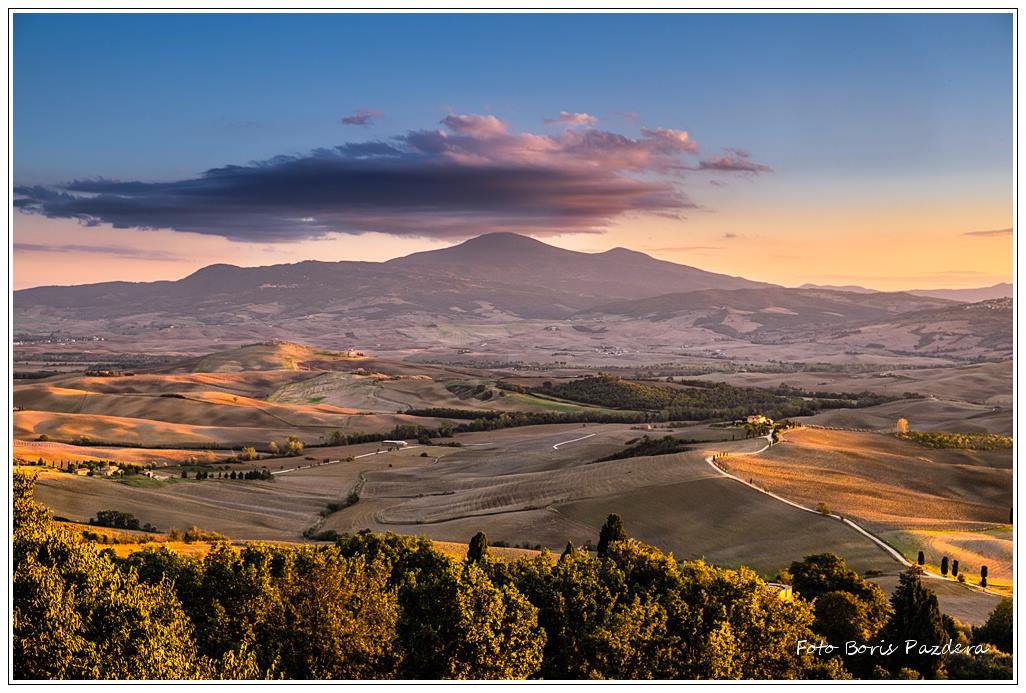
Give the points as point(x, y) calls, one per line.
point(922, 558)
point(478, 547)
point(954, 568)
point(568, 551)
point(983, 576)
point(916, 617)
point(611, 531)
point(944, 566)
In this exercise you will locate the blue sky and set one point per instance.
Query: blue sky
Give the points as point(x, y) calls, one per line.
point(889, 110)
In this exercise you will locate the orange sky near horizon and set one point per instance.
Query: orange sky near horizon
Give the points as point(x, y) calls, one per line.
point(877, 248)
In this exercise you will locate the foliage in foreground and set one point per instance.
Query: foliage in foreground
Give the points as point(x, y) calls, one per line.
point(386, 606)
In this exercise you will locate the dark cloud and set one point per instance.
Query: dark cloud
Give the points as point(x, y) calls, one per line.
point(111, 250)
point(737, 160)
point(989, 234)
point(364, 116)
point(471, 176)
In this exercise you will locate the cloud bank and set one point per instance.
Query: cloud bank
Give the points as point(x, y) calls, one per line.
point(471, 175)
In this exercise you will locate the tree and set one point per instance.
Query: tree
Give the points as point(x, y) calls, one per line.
point(983, 576)
point(916, 617)
point(944, 566)
point(954, 568)
point(337, 621)
point(483, 631)
point(478, 547)
point(843, 617)
point(921, 559)
point(997, 630)
point(611, 531)
point(846, 606)
point(568, 551)
point(185, 474)
point(820, 574)
point(77, 616)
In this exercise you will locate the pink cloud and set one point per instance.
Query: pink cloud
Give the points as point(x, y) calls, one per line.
point(479, 126)
point(572, 119)
point(733, 160)
point(673, 140)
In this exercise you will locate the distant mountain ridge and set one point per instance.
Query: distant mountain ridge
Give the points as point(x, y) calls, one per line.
point(983, 293)
point(510, 273)
point(509, 296)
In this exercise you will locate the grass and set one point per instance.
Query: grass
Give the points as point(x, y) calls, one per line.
point(544, 403)
point(141, 481)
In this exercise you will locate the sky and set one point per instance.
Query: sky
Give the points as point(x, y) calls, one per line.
point(869, 149)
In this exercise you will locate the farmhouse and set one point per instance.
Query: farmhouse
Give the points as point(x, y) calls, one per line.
point(394, 444)
point(784, 592)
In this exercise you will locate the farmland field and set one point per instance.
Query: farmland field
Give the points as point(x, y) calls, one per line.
point(533, 486)
point(945, 502)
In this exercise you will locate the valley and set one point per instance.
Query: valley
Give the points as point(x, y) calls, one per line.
point(536, 483)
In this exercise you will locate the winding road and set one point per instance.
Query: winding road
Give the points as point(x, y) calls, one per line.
point(894, 553)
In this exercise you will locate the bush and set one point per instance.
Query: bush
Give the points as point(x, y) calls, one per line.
point(115, 519)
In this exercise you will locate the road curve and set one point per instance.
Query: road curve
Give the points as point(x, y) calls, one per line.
point(894, 553)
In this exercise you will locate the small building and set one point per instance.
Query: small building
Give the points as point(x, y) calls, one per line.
point(783, 592)
point(394, 444)
point(108, 470)
point(759, 419)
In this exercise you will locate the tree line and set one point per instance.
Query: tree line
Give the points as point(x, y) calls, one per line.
point(698, 401)
point(386, 606)
point(964, 441)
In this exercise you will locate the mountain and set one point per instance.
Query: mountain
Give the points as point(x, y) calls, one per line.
point(507, 297)
point(985, 293)
point(850, 288)
point(510, 258)
point(494, 274)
